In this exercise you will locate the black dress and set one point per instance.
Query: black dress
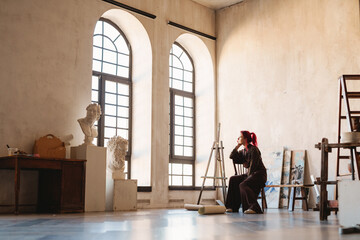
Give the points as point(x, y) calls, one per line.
point(244, 189)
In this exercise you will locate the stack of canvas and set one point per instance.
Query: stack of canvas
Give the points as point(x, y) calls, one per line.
point(284, 167)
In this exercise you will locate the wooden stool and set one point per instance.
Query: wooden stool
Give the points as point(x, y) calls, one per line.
point(263, 199)
point(293, 198)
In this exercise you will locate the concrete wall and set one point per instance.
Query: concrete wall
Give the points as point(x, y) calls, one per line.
point(278, 64)
point(45, 73)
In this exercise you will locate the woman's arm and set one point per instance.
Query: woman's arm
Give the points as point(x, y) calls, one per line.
point(237, 157)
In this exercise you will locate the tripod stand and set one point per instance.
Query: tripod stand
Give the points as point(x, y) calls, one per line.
point(219, 169)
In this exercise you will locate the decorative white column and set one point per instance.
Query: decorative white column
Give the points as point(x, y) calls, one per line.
point(95, 185)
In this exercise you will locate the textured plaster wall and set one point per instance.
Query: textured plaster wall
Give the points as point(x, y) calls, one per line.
point(45, 77)
point(278, 65)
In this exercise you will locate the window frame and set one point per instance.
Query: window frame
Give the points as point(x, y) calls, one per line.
point(101, 97)
point(176, 158)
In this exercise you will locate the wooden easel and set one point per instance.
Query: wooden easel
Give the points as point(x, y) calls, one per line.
point(350, 114)
point(219, 169)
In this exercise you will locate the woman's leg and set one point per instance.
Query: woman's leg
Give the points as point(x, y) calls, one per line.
point(249, 192)
point(233, 200)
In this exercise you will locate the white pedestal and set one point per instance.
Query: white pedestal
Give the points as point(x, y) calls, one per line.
point(125, 195)
point(95, 185)
point(349, 199)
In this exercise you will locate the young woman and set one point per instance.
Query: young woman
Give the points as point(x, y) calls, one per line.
point(244, 189)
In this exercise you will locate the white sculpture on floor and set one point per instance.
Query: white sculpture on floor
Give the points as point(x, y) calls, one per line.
point(118, 146)
point(93, 113)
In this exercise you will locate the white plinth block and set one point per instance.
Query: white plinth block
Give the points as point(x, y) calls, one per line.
point(95, 185)
point(125, 195)
point(349, 203)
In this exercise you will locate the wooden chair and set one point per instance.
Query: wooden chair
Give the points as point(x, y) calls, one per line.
point(239, 169)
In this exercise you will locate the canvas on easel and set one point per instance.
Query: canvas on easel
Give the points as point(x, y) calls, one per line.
point(297, 172)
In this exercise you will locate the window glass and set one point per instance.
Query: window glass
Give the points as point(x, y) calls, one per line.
point(111, 84)
point(182, 111)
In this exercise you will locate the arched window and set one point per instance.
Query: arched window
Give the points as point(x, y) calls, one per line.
point(182, 118)
point(111, 84)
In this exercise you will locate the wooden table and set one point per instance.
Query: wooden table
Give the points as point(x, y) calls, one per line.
point(61, 185)
point(325, 148)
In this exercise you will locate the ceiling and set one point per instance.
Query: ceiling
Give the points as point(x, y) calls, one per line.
point(217, 4)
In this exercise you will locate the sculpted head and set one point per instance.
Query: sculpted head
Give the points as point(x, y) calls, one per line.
point(93, 112)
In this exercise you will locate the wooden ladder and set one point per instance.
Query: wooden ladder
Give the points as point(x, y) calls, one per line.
point(344, 96)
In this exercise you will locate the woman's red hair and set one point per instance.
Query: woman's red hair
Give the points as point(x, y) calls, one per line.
point(250, 137)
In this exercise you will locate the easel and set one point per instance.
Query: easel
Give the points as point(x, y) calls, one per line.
point(219, 168)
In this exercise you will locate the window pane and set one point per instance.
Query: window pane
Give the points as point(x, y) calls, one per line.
point(109, 68)
point(188, 76)
point(187, 181)
point(179, 150)
point(123, 89)
point(170, 74)
point(179, 140)
point(188, 131)
point(126, 166)
point(110, 109)
point(177, 51)
point(176, 180)
point(97, 41)
point(106, 140)
point(123, 60)
point(170, 168)
point(177, 168)
point(123, 72)
point(188, 151)
point(97, 53)
point(123, 101)
point(108, 44)
point(95, 141)
point(179, 120)
point(123, 111)
point(179, 110)
point(177, 73)
point(95, 82)
point(179, 100)
point(123, 123)
point(97, 66)
point(110, 121)
point(110, 31)
point(188, 102)
point(109, 132)
point(109, 56)
point(176, 84)
point(188, 112)
point(94, 96)
point(98, 28)
point(188, 87)
point(179, 130)
point(186, 62)
point(123, 133)
point(188, 141)
point(110, 86)
point(121, 45)
point(187, 169)
point(110, 98)
point(170, 183)
point(176, 63)
point(188, 122)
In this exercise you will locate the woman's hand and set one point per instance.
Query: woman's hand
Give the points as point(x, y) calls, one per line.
point(238, 143)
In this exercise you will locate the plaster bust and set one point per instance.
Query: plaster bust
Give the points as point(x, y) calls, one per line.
point(93, 113)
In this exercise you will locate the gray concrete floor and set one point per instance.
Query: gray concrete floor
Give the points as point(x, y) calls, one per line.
point(171, 224)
